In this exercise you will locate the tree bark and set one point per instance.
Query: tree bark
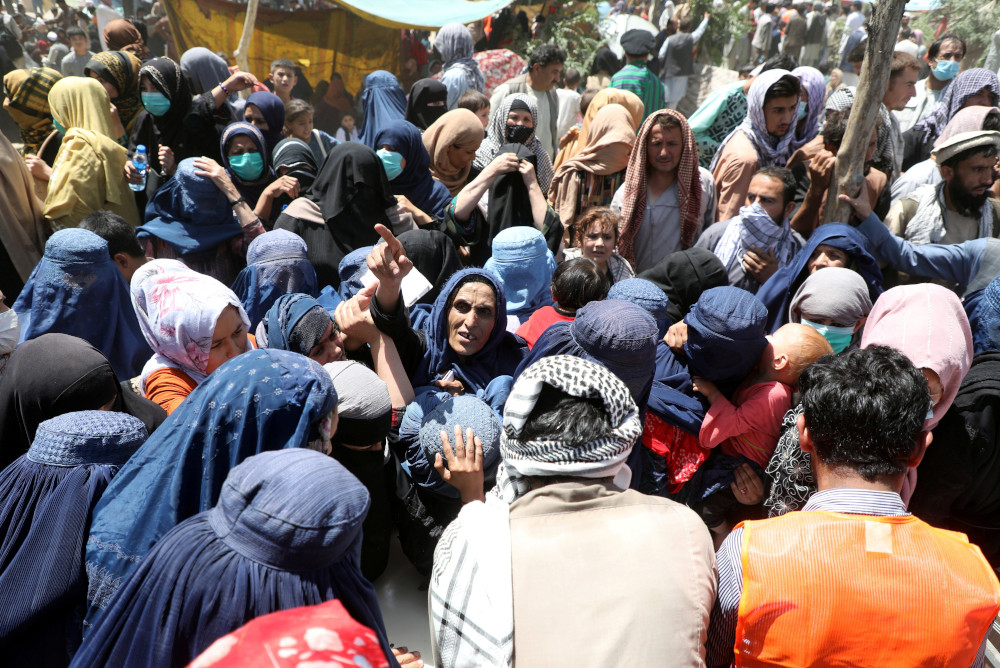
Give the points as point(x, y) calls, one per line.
point(242, 60)
point(848, 175)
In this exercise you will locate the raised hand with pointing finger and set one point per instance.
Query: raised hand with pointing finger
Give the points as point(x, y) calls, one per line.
point(389, 264)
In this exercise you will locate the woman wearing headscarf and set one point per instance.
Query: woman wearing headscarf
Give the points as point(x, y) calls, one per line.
point(87, 173)
point(192, 322)
point(515, 173)
point(298, 323)
point(48, 495)
point(489, 577)
point(338, 214)
point(666, 197)
point(427, 102)
point(835, 302)
point(605, 65)
point(524, 265)
point(358, 646)
point(56, 374)
point(592, 176)
point(265, 111)
point(266, 400)
point(293, 157)
point(276, 265)
point(122, 35)
point(452, 142)
point(77, 290)
point(381, 102)
point(926, 323)
point(177, 125)
point(27, 101)
point(461, 72)
point(756, 142)
point(575, 139)
point(958, 483)
point(831, 245)
point(247, 161)
point(463, 344)
point(205, 70)
point(683, 276)
point(975, 87)
point(191, 219)
point(812, 109)
point(407, 166)
point(334, 102)
point(118, 72)
point(22, 227)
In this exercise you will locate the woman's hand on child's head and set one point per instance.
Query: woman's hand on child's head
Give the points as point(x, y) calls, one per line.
point(748, 486)
point(465, 464)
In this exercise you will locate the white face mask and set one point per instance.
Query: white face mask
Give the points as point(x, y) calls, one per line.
point(10, 332)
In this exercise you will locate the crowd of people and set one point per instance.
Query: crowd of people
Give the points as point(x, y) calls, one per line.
point(526, 334)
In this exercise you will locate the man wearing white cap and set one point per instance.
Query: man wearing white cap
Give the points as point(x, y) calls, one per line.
point(968, 266)
point(960, 208)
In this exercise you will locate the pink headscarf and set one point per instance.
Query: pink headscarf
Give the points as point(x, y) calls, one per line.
point(925, 322)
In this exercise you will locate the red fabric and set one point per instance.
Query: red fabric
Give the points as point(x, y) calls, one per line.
point(681, 450)
point(315, 635)
point(688, 186)
point(540, 320)
point(752, 426)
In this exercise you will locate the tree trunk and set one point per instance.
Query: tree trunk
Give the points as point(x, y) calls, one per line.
point(848, 175)
point(242, 60)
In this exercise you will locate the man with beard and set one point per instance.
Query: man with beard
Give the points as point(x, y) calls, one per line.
point(819, 168)
point(759, 241)
point(960, 208)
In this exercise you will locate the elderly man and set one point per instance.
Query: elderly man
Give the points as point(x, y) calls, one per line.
point(854, 573)
point(509, 581)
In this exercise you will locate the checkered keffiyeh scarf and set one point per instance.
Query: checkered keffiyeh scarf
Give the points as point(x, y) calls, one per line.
point(965, 85)
point(688, 186)
point(603, 457)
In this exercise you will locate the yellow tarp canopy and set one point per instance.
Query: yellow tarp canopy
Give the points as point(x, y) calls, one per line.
point(322, 41)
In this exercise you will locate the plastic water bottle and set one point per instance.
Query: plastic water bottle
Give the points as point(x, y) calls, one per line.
point(141, 164)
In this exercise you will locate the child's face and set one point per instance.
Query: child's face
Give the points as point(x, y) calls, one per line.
point(79, 43)
point(347, 122)
point(774, 361)
point(301, 127)
point(484, 116)
point(284, 78)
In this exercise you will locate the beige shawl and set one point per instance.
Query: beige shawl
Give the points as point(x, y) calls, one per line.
point(459, 127)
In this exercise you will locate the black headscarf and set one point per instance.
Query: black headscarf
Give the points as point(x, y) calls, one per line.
point(296, 155)
point(166, 77)
point(606, 61)
point(422, 93)
point(684, 275)
point(960, 484)
point(353, 194)
point(434, 255)
point(56, 374)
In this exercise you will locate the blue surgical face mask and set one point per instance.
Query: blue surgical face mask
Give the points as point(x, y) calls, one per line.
point(802, 111)
point(59, 127)
point(945, 70)
point(155, 103)
point(392, 161)
point(838, 337)
point(247, 166)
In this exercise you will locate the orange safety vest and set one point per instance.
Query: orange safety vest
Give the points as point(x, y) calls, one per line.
point(830, 589)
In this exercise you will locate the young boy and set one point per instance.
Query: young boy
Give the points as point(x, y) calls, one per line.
point(284, 78)
point(575, 283)
point(76, 60)
point(746, 429)
point(477, 103)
